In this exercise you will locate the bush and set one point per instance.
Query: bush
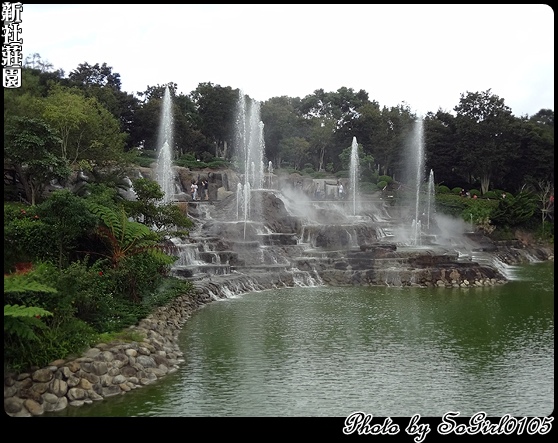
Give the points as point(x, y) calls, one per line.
point(475, 192)
point(443, 189)
point(368, 175)
point(381, 184)
point(26, 237)
point(384, 178)
point(491, 194)
point(342, 174)
point(59, 341)
point(456, 190)
point(320, 174)
point(368, 188)
point(308, 171)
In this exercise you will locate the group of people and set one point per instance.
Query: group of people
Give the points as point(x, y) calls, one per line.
point(199, 192)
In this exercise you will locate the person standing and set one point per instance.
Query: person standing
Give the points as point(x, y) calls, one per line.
point(205, 189)
point(194, 190)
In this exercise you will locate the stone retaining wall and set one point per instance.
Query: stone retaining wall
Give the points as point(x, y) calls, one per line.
point(105, 370)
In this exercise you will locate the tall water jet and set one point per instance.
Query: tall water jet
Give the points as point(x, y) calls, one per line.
point(430, 199)
point(354, 173)
point(416, 169)
point(164, 173)
point(270, 173)
point(249, 148)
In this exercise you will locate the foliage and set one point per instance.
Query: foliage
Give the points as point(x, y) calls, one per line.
point(385, 178)
point(125, 336)
point(31, 146)
point(87, 129)
point(442, 189)
point(26, 236)
point(168, 289)
point(515, 211)
point(456, 190)
point(53, 342)
point(21, 321)
point(69, 220)
point(476, 211)
point(122, 237)
point(189, 161)
point(134, 251)
point(368, 188)
point(149, 209)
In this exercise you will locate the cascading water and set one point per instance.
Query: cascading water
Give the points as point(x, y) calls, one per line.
point(164, 173)
point(354, 173)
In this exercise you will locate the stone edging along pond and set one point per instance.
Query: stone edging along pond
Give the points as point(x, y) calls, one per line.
point(105, 370)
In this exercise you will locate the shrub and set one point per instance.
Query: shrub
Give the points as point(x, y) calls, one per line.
point(308, 171)
point(384, 178)
point(456, 190)
point(381, 184)
point(368, 188)
point(475, 192)
point(443, 189)
point(342, 174)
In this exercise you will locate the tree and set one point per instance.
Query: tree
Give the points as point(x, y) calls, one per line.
point(545, 195)
point(295, 149)
point(32, 147)
point(96, 75)
point(101, 83)
point(149, 210)
point(280, 121)
point(321, 138)
point(484, 124)
point(440, 141)
point(397, 124)
point(34, 61)
point(216, 106)
point(89, 133)
point(69, 220)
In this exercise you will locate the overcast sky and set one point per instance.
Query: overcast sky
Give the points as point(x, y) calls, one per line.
point(425, 56)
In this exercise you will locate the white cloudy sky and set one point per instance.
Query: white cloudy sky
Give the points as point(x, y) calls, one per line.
point(423, 55)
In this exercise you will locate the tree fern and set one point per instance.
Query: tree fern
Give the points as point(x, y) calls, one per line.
point(122, 236)
point(20, 320)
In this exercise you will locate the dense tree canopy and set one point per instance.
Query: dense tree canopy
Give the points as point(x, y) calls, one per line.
point(480, 144)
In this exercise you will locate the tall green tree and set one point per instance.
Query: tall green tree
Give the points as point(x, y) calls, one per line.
point(69, 219)
point(100, 82)
point(280, 121)
point(31, 146)
point(216, 106)
point(89, 133)
point(440, 139)
point(484, 129)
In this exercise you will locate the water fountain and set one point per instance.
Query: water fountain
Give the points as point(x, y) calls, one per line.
point(430, 199)
point(417, 148)
point(249, 148)
point(263, 238)
point(354, 173)
point(270, 174)
point(164, 172)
